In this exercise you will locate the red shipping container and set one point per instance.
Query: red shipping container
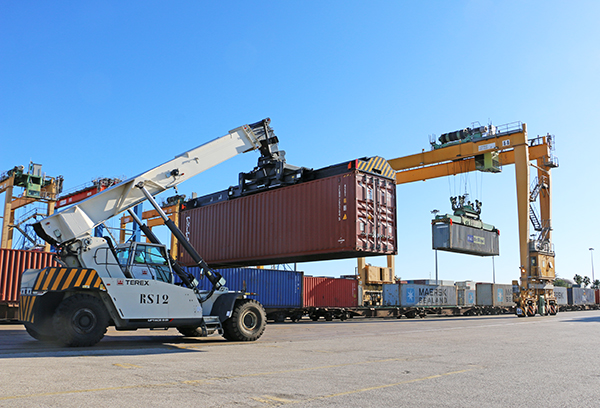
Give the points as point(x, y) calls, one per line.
point(343, 216)
point(330, 292)
point(13, 262)
point(598, 296)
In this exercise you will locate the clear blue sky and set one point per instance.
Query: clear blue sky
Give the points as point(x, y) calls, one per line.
point(109, 88)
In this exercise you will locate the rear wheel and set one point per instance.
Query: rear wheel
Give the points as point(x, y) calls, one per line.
point(80, 320)
point(247, 321)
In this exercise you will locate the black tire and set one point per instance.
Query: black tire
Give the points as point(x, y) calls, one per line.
point(247, 322)
point(80, 320)
point(191, 331)
point(34, 332)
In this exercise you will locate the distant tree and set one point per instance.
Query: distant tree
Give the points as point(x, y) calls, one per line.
point(578, 279)
point(596, 284)
point(586, 281)
point(562, 283)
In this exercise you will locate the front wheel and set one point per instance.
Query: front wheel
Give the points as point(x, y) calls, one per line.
point(38, 333)
point(80, 320)
point(247, 322)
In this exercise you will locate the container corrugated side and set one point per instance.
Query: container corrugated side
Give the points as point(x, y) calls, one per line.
point(463, 239)
point(391, 294)
point(494, 294)
point(465, 297)
point(598, 296)
point(344, 216)
point(427, 295)
point(581, 296)
point(560, 293)
point(330, 292)
point(274, 288)
point(13, 262)
point(588, 296)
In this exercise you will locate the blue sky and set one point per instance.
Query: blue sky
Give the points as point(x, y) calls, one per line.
point(110, 89)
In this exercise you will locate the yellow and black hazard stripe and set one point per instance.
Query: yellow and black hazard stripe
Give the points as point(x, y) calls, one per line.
point(54, 279)
point(377, 165)
point(59, 279)
point(26, 304)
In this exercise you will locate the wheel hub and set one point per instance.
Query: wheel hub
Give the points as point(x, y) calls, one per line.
point(250, 320)
point(84, 321)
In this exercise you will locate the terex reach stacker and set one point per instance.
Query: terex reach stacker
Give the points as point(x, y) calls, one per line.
point(131, 286)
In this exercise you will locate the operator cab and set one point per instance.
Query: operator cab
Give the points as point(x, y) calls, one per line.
point(145, 261)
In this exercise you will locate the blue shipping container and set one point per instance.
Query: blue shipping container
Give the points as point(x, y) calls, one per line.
point(274, 289)
point(391, 294)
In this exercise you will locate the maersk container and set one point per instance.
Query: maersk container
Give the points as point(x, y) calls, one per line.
point(494, 294)
point(453, 237)
point(274, 289)
point(581, 296)
point(430, 282)
point(391, 294)
point(427, 295)
point(343, 216)
point(330, 292)
point(560, 293)
point(466, 297)
point(13, 262)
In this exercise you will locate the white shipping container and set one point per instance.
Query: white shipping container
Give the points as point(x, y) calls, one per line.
point(466, 285)
point(560, 293)
point(466, 297)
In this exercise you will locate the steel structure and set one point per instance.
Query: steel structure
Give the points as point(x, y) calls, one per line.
point(508, 144)
point(37, 187)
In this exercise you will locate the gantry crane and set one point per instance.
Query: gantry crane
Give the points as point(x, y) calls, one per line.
point(37, 187)
point(484, 149)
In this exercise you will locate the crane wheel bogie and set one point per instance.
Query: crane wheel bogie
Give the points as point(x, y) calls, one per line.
point(247, 322)
point(80, 320)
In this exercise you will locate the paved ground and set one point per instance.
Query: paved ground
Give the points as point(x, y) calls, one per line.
point(497, 361)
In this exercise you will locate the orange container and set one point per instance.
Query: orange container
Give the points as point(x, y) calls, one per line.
point(13, 262)
point(330, 292)
point(343, 216)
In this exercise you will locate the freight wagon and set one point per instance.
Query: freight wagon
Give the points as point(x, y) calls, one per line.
point(290, 294)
